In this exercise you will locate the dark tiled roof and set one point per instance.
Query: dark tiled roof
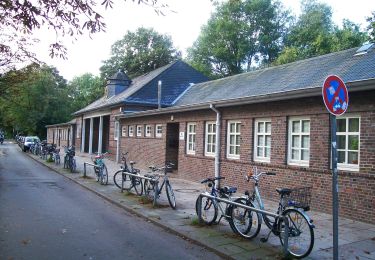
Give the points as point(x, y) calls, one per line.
point(174, 82)
point(309, 73)
point(176, 78)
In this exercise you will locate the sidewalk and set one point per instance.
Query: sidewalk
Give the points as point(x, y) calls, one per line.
point(356, 239)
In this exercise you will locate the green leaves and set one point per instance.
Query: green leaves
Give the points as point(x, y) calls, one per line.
point(140, 52)
point(239, 35)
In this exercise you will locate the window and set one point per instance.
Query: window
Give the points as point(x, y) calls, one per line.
point(131, 130)
point(148, 130)
point(139, 130)
point(123, 131)
point(299, 141)
point(262, 140)
point(117, 129)
point(158, 130)
point(210, 138)
point(233, 139)
point(191, 131)
point(78, 133)
point(348, 137)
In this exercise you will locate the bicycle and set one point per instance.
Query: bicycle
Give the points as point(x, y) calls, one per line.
point(207, 209)
point(100, 168)
point(127, 182)
point(69, 160)
point(293, 204)
point(152, 191)
point(56, 156)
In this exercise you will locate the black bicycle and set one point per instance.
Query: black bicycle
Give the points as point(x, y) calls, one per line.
point(69, 160)
point(127, 182)
point(151, 187)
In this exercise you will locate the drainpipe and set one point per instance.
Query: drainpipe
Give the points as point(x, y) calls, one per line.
point(118, 140)
point(217, 144)
point(159, 94)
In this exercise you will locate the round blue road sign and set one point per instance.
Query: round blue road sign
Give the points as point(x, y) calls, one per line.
point(335, 95)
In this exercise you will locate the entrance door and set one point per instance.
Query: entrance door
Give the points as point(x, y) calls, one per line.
point(171, 153)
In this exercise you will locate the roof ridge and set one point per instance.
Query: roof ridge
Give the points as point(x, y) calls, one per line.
point(280, 66)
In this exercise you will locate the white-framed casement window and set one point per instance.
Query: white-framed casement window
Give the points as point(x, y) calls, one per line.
point(117, 130)
point(210, 138)
point(348, 142)
point(139, 130)
point(262, 140)
point(233, 139)
point(158, 130)
point(131, 131)
point(123, 131)
point(299, 141)
point(190, 141)
point(148, 131)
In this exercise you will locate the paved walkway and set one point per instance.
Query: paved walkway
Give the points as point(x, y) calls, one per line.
point(356, 239)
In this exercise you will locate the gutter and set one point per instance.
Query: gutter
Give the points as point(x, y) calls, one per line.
point(217, 144)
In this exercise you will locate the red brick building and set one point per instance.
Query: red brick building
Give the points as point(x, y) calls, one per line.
point(274, 119)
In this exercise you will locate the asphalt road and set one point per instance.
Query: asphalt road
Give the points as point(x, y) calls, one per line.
point(45, 216)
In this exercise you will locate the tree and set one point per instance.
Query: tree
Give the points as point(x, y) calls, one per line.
point(371, 27)
point(84, 89)
point(314, 33)
point(19, 19)
point(34, 98)
point(139, 52)
point(238, 35)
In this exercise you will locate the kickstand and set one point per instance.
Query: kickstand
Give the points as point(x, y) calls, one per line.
point(265, 239)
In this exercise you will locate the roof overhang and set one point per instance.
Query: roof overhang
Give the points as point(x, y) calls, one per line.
point(353, 86)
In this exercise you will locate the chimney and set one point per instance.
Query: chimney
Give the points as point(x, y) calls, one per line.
point(159, 94)
point(118, 83)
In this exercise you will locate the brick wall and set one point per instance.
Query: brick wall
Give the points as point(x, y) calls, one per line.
point(356, 189)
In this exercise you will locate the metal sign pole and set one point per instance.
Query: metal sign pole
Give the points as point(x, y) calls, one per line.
point(335, 189)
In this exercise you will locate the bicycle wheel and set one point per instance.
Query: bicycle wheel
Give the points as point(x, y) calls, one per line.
point(245, 222)
point(138, 185)
point(117, 178)
point(104, 175)
point(127, 182)
point(149, 189)
point(207, 211)
point(66, 162)
point(301, 234)
point(170, 195)
point(73, 165)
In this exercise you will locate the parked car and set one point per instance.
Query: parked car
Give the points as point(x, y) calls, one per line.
point(28, 141)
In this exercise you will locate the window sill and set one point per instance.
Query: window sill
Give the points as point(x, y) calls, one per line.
point(348, 167)
point(298, 163)
point(262, 160)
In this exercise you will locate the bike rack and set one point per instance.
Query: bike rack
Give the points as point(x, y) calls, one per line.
point(84, 168)
point(144, 178)
point(285, 246)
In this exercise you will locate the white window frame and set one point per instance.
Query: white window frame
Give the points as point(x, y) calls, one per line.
point(348, 166)
point(148, 130)
point(139, 130)
point(298, 162)
point(131, 130)
point(191, 138)
point(264, 134)
point(78, 129)
point(207, 135)
point(123, 131)
point(157, 128)
point(117, 130)
point(235, 134)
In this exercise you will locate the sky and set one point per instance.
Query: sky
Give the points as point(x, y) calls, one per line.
point(183, 25)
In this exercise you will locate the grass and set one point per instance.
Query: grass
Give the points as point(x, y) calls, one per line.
point(195, 222)
point(144, 200)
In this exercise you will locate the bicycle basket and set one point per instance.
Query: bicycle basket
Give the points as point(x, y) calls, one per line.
point(300, 198)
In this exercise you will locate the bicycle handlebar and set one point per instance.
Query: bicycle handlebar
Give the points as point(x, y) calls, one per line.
point(212, 179)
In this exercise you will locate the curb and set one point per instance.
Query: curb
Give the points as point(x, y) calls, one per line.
point(134, 212)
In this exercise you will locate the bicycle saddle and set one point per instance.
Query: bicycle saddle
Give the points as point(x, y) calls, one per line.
point(132, 162)
point(228, 190)
point(283, 191)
